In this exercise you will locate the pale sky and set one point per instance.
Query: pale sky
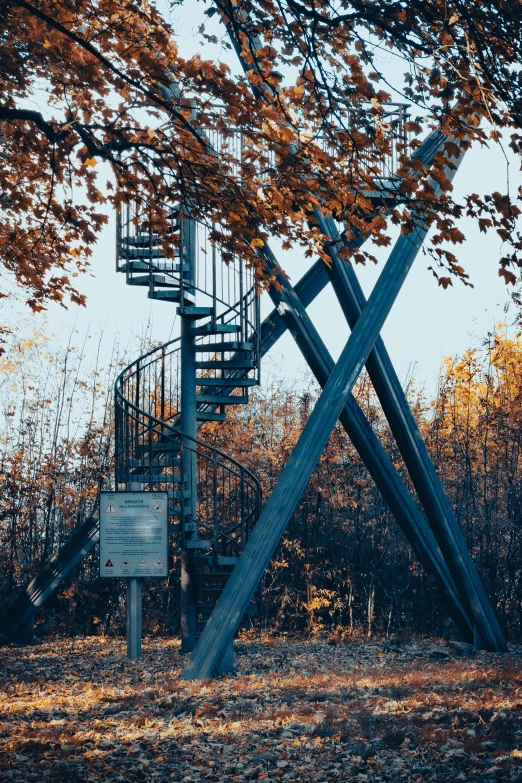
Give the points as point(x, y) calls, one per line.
point(426, 323)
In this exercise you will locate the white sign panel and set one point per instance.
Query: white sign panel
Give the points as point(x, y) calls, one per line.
point(133, 534)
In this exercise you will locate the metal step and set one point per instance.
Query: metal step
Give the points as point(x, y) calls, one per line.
point(191, 311)
point(208, 416)
point(160, 265)
point(222, 347)
point(198, 543)
point(213, 576)
point(139, 478)
point(141, 239)
point(176, 494)
point(221, 364)
point(156, 478)
point(170, 495)
point(147, 252)
point(172, 295)
point(144, 238)
point(156, 279)
point(216, 329)
point(159, 461)
point(144, 465)
point(216, 561)
point(227, 382)
point(218, 399)
point(161, 445)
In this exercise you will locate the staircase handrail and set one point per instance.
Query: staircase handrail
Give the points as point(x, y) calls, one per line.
point(176, 433)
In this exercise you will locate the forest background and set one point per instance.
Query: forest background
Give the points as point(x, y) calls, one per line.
point(343, 567)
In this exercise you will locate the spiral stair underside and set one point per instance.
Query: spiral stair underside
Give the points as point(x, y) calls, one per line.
point(214, 501)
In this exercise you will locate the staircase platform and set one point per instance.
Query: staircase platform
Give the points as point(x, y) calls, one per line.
point(155, 279)
point(218, 399)
point(209, 416)
point(160, 445)
point(191, 311)
point(223, 347)
point(220, 364)
point(227, 382)
point(206, 329)
point(146, 252)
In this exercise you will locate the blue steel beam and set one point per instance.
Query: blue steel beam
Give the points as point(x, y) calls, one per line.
point(414, 452)
point(369, 447)
point(402, 422)
point(290, 313)
point(306, 289)
point(282, 503)
point(50, 577)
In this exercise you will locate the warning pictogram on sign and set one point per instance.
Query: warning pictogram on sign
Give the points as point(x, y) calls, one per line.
point(157, 508)
point(158, 563)
point(142, 563)
point(111, 508)
point(125, 563)
point(109, 564)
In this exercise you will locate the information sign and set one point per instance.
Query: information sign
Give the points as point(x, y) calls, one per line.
point(133, 534)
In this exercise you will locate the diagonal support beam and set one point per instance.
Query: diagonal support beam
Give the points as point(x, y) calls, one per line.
point(281, 505)
point(414, 453)
point(50, 577)
point(290, 313)
point(306, 290)
point(370, 449)
point(408, 438)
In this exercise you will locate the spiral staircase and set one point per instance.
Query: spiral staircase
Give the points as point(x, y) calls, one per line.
point(214, 501)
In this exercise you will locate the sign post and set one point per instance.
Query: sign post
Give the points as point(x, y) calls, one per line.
point(133, 619)
point(134, 545)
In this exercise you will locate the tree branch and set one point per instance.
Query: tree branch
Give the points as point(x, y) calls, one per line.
point(109, 65)
point(31, 116)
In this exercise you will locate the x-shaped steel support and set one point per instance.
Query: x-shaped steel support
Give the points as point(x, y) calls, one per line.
point(290, 313)
point(282, 503)
point(336, 395)
point(459, 564)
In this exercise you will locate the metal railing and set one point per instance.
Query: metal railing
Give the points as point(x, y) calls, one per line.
point(375, 141)
point(224, 502)
point(228, 288)
point(219, 501)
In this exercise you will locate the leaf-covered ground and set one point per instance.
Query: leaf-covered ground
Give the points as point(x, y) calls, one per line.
point(293, 711)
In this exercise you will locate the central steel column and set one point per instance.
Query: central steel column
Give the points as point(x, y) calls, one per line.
point(188, 426)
